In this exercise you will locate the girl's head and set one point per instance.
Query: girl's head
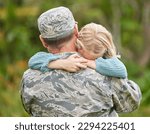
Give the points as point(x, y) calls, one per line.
point(95, 41)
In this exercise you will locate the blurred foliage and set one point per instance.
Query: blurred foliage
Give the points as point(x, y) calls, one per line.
point(19, 41)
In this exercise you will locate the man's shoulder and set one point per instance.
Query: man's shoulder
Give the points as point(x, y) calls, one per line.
point(31, 74)
point(83, 75)
point(31, 71)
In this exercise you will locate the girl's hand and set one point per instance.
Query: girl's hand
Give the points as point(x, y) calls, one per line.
point(73, 63)
point(91, 64)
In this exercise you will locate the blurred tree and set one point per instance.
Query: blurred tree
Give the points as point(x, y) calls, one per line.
point(145, 55)
point(116, 22)
point(141, 30)
point(17, 2)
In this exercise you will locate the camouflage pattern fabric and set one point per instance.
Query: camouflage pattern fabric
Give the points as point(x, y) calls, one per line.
point(87, 93)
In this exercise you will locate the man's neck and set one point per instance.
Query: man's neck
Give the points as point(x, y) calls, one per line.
point(69, 46)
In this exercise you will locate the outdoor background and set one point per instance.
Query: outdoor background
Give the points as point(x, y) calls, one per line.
point(127, 20)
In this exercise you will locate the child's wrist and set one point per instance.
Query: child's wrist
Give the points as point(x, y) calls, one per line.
point(54, 64)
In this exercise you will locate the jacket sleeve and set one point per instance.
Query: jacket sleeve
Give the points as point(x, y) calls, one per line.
point(126, 95)
point(40, 61)
point(111, 67)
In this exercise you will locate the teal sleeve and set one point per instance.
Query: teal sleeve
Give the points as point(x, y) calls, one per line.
point(111, 67)
point(40, 61)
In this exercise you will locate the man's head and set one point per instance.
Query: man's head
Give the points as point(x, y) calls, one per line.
point(56, 25)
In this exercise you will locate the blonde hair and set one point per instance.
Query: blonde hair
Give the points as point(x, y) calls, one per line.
point(93, 35)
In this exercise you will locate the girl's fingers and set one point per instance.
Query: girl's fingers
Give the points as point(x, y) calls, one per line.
point(81, 66)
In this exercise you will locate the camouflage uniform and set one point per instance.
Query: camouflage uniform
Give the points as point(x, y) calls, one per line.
point(86, 93)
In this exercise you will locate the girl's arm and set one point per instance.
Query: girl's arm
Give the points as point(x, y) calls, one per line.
point(73, 63)
point(110, 67)
point(46, 61)
point(41, 60)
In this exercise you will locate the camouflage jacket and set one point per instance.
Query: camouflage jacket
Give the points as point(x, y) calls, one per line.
point(86, 93)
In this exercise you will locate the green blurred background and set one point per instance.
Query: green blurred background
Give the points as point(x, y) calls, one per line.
point(128, 21)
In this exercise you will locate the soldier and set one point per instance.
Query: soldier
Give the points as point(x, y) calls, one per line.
point(84, 93)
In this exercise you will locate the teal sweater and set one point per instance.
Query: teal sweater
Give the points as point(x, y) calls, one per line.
point(109, 67)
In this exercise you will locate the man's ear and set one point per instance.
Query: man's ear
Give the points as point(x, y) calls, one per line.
point(42, 40)
point(76, 33)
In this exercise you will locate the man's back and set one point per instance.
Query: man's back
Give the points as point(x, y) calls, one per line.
point(86, 93)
